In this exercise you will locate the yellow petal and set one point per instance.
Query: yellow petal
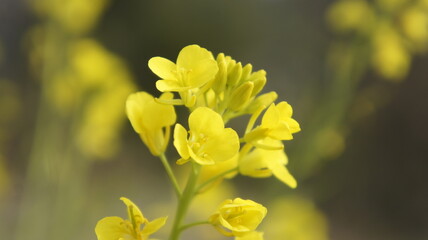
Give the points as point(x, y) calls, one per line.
point(223, 146)
point(167, 116)
point(111, 228)
point(138, 215)
point(281, 172)
point(203, 72)
point(180, 141)
point(182, 161)
point(170, 86)
point(202, 159)
point(254, 165)
point(281, 131)
point(146, 114)
point(293, 125)
point(154, 226)
point(135, 109)
point(285, 110)
point(206, 121)
point(163, 67)
point(271, 116)
point(191, 55)
point(199, 65)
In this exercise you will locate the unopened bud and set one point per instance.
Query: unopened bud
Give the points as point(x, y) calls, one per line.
point(262, 100)
point(259, 84)
point(234, 75)
point(240, 96)
point(246, 72)
point(220, 79)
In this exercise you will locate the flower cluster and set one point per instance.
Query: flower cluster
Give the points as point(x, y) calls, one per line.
point(395, 30)
point(214, 90)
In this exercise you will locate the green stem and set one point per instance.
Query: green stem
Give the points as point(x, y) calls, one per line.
point(170, 175)
point(215, 178)
point(184, 227)
point(184, 202)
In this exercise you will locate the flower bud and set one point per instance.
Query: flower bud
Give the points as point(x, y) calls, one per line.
point(259, 83)
point(221, 77)
point(240, 96)
point(234, 75)
point(246, 72)
point(239, 216)
point(262, 100)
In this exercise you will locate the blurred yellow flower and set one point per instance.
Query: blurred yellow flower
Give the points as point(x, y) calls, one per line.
point(94, 83)
point(195, 67)
point(395, 29)
point(116, 228)
point(356, 15)
point(261, 163)
point(414, 21)
point(251, 236)
point(295, 218)
point(239, 216)
point(209, 142)
point(151, 120)
point(76, 16)
point(93, 63)
point(276, 124)
point(390, 57)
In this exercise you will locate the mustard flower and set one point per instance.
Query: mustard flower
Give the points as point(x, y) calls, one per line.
point(209, 142)
point(276, 124)
point(239, 216)
point(116, 228)
point(414, 22)
point(390, 57)
point(194, 68)
point(261, 163)
point(151, 120)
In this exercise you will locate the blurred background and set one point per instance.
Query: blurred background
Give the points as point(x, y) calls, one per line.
point(355, 72)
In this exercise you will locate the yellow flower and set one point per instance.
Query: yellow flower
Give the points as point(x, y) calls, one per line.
point(414, 22)
point(261, 163)
point(209, 142)
point(195, 67)
point(116, 228)
point(276, 124)
point(251, 236)
point(239, 216)
point(390, 57)
point(151, 120)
